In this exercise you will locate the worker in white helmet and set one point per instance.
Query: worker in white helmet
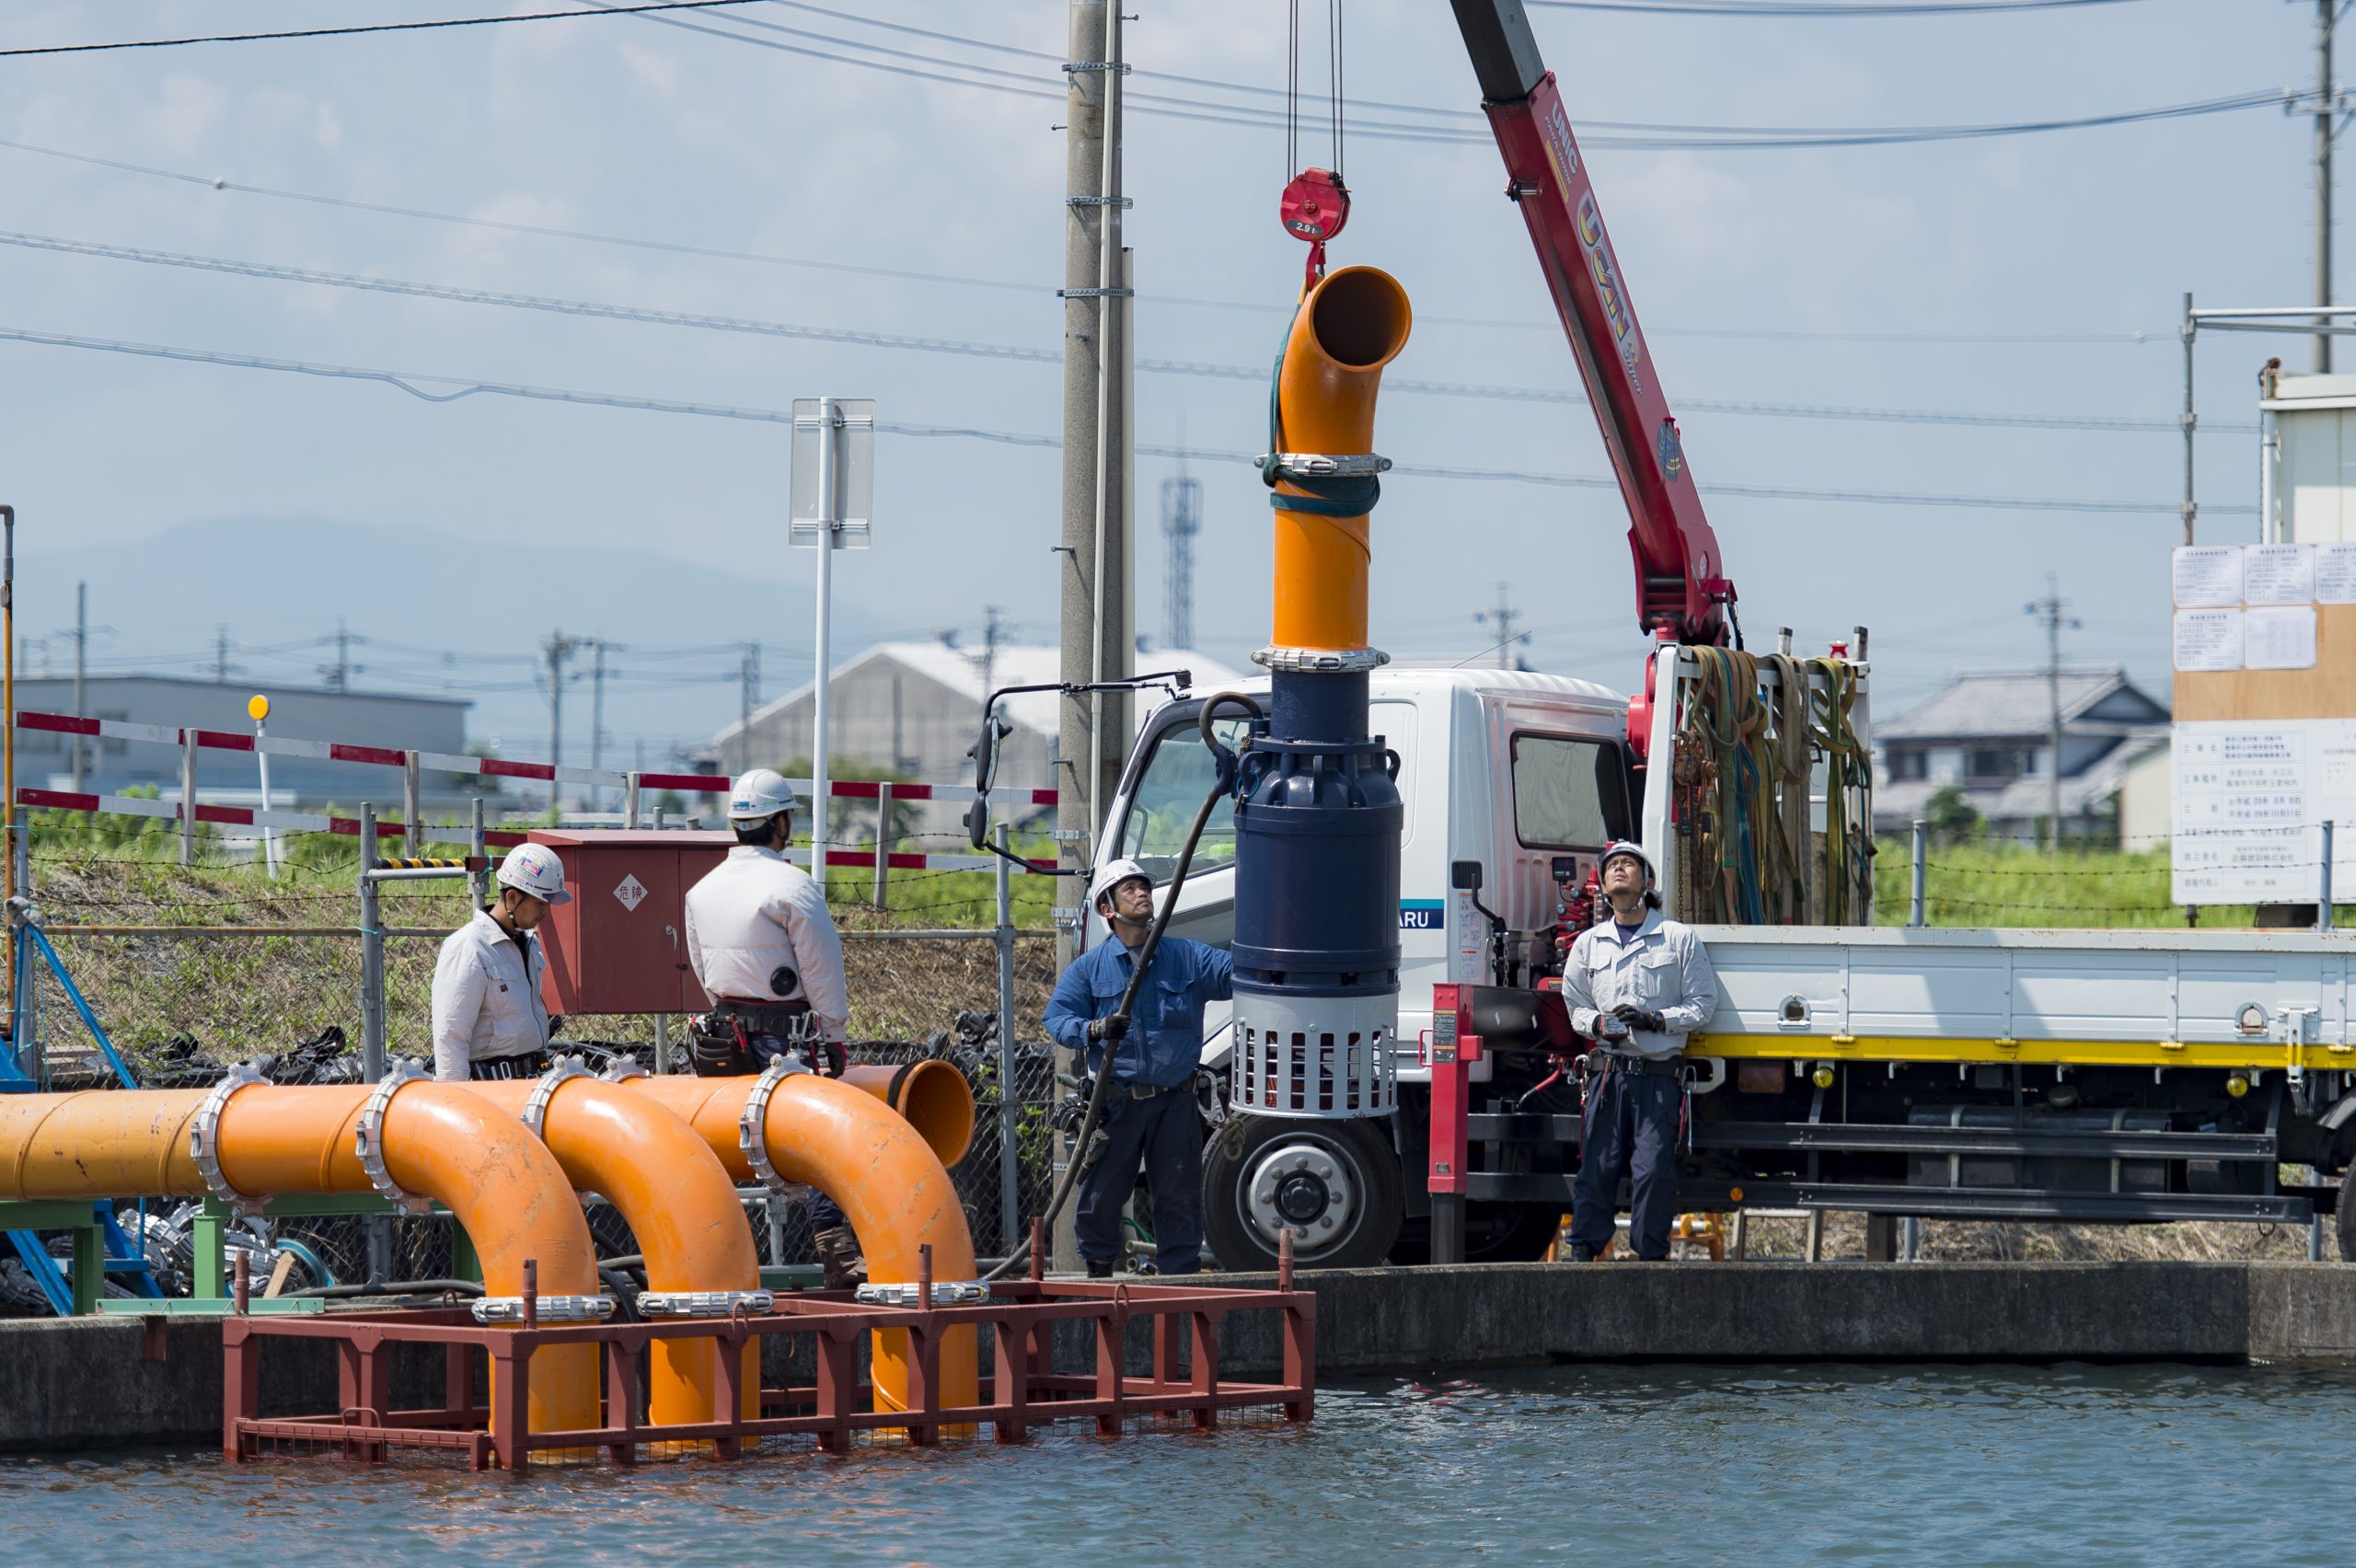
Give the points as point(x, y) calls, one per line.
point(766, 951)
point(489, 1020)
point(1152, 1057)
point(1636, 985)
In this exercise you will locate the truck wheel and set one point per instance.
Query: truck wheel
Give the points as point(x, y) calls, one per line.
point(1335, 1184)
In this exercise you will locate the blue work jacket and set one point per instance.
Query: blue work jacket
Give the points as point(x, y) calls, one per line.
point(1165, 1038)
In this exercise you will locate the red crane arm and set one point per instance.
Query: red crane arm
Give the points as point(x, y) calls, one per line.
point(1681, 589)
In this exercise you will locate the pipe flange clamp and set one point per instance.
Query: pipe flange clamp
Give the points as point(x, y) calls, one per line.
point(704, 1303)
point(535, 1107)
point(549, 1308)
point(369, 1140)
point(1321, 466)
point(204, 1140)
point(1321, 661)
point(623, 1071)
point(752, 1121)
point(945, 1293)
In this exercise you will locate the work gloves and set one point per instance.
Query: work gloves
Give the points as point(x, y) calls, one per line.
point(1636, 1017)
point(1112, 1030)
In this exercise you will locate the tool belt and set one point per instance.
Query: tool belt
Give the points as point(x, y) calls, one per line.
point(1642, 1066)
point(719, 1042)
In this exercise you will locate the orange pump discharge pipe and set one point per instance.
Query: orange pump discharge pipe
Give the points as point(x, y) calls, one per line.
point(1351, 324)
point(893, 1188)
point(664, 1180)
point(259, 1140)
point(932, 1095)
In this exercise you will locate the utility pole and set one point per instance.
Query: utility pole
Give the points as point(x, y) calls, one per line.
point(81, 646)
point(1501, 621)
point(221, 655)
point(991, 633)
point(1182, 519)
point(748, 696)
point(338, 674)
point(2326, 103)
point(599, 648)
point(1092, 206)
point(558, 649)
point(1094, 598)
point(2048, 610)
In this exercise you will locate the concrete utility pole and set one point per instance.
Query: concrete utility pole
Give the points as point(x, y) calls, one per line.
point(599, 648)
point(81, 646)
point(558, 648)
point(338, 674)
point(1181, 520)
point(2326, 103)
point(1501, 621)
point(221, 655)
point(2048, 610)
point(991, 632)
point(748, 696)
point(1094, 568)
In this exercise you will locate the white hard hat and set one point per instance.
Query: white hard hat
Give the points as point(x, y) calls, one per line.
point(763, 792)
point(1112, 875)
point(1629, 846)
point(534, 868)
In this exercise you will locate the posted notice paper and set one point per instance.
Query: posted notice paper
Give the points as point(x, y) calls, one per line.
point(2279, 637)
point(2208, 640)
point(2207, 576)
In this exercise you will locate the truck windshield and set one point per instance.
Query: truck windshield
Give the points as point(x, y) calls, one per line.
point(1568, 794)
point(1171, 791)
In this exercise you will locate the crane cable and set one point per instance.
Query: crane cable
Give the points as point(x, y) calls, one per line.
point(1316, 201)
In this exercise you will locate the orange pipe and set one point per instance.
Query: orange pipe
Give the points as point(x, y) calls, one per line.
point(680, 1205)
point(893, 1189)
point(932, 1095)
point(439, 1140)
point(1348, 327)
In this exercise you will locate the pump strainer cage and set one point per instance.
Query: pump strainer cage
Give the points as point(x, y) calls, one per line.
point(1309, 1057)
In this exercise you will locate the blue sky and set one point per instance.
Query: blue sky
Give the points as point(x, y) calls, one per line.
point(2046, 255)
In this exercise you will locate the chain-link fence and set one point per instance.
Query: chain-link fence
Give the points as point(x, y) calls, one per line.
point(190, 973)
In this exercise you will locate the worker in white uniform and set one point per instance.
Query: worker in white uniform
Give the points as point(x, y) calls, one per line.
point(765, 949)
point(489, 1020)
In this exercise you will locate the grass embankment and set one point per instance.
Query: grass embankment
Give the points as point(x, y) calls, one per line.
point(1990, 884)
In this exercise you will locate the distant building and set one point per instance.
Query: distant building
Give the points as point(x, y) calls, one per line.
point(45, 758)
point(913, 710)
point(1989, 735)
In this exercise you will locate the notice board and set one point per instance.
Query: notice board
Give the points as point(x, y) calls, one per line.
point(2249, 795)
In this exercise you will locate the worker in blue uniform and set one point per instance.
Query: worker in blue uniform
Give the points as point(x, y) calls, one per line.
point(1636, 985)
point(1148, 1109)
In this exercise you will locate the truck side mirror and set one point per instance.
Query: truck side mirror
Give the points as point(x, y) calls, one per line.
point(977, 821)
point(985, 751)
point(1464, 876)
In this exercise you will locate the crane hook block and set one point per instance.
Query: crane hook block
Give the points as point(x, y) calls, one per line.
point(1315, 205)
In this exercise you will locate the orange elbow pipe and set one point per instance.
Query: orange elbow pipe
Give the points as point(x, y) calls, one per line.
point(932, 1095)
point(439, 1140)
point(681, 1205)
point(894, 1191)
point(1351, 324)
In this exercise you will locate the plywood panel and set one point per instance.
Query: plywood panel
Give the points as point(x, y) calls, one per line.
point(2327, 691)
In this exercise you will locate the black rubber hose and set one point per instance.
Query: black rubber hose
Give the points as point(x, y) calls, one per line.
point(1222, 784)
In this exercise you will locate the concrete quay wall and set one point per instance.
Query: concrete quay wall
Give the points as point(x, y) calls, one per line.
point(114, 1382)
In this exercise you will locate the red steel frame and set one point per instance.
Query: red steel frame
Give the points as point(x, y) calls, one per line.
point(1021, 1391)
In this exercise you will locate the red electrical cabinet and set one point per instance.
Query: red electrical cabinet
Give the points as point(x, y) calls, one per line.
point(620, 945)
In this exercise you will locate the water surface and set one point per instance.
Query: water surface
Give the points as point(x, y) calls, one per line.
point(1618, 1464)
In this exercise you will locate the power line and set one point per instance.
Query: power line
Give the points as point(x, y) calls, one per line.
point(1251, 372)
point(414, 383)
point(765, 258)
point(372, 28)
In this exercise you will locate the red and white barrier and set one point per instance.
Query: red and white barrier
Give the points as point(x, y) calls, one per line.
point(632, 783)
